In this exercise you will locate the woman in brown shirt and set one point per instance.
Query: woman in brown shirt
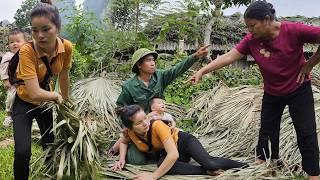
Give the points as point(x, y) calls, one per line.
point(46, 50)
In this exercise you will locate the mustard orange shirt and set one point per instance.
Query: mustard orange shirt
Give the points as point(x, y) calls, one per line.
point(31, 65)
point(160, 133)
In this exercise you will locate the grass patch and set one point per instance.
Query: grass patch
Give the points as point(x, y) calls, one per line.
point(5, 132)
point(7, 153)
point(7, 157)
point(188, 125)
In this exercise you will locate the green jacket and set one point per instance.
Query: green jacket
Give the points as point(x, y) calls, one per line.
point(135, 92)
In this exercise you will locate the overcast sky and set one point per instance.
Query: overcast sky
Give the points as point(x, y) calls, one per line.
point(308, 8)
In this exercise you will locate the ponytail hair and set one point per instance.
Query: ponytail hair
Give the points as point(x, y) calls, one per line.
point(47, 1)
point(47, 9)
point(259, 10)
point(125, 113)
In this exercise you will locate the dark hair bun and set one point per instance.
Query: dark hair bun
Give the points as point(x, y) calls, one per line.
point(120, 110)
point(272, 10)
point(259, 10)
point(46, 1)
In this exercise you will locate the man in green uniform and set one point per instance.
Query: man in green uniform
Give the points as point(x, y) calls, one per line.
point(146, 84)
point(149, 82)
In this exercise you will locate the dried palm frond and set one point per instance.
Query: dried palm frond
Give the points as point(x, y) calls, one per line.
point(178, 112)
point(262, 171)
point(96, 99)
point(315, 76)
point(74, 152)
point(229, 122)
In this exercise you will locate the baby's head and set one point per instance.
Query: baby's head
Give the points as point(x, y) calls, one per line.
point(16, 40)
point(157, 105)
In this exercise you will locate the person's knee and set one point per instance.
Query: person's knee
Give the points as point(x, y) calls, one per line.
point(48, 138)
point(134, 156)
point(265, 133)
point(307, 138)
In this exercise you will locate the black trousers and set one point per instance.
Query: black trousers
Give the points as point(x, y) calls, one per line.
point(301, 109)
point(22, 114)
point(190, 147)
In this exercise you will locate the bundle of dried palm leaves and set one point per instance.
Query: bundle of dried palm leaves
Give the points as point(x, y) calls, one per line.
point(74, 152)
point(79, 127)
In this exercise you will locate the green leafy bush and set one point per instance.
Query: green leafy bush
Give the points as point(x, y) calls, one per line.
point(5, 132)
point(80, 65)
point(181, 93)
point(3, 95)
point(188, 125)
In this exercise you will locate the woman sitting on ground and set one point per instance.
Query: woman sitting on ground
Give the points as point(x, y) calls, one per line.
point(176, 147)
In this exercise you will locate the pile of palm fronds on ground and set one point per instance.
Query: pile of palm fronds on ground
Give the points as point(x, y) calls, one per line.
point(229, 121)
point(253, 172)
point(178, 112)
point(315, 76)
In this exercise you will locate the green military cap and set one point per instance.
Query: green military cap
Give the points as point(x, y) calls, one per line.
point(139, 54)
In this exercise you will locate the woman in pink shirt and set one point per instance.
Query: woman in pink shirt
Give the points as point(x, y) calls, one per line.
point(277, 48)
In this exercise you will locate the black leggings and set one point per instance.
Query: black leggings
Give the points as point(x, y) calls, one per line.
point(301, 109)
point(190, 147)
point(22, 115)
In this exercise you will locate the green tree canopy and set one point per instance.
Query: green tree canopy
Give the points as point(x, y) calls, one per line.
point(22, 15)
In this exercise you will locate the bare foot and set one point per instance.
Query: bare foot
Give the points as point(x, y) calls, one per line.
point(215, 172)
point(313, 177)
point(259, 161)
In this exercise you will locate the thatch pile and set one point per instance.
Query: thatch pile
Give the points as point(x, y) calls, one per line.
point(229, 121)
point(315, 76)
point(228, 124)
point(225, 115)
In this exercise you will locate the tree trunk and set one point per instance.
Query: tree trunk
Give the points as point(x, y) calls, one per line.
point(137, 16)
point(208, 30)
point(137, 22)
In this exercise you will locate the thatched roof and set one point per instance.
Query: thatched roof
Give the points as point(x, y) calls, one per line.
point(227, 32)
